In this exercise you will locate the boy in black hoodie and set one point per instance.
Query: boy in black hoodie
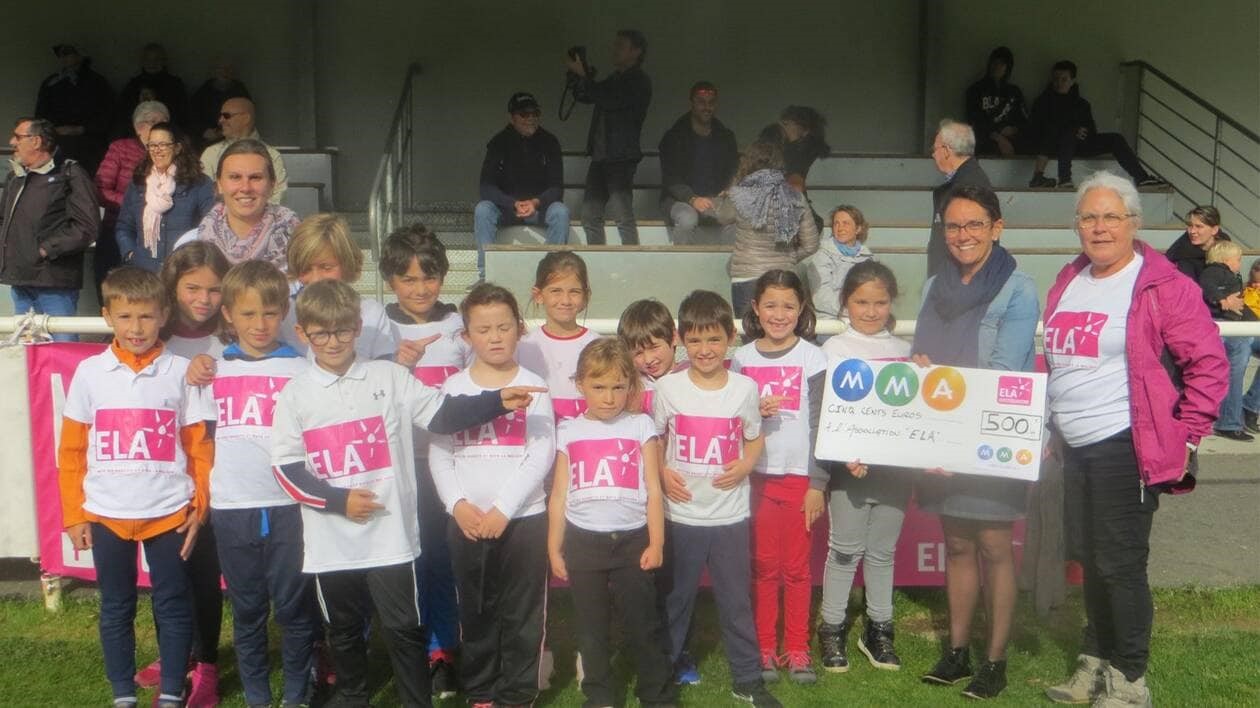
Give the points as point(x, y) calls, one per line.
point(1062, 125)
point(995, 106)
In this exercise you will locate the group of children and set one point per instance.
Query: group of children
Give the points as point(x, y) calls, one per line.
point(429, 464)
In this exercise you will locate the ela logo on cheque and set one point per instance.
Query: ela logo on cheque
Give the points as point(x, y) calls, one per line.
point(942, 389)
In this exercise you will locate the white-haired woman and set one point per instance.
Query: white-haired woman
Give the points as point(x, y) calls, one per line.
point(113, 178)
point(1137, 374)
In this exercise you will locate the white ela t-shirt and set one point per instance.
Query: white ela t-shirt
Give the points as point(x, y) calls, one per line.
point(607, 491)
point(1088, 388)
point(706, 430)
point(787, 434)
point(442, 358)
point(555, 360)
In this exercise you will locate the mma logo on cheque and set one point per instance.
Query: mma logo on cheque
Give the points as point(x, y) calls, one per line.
point(942, 388)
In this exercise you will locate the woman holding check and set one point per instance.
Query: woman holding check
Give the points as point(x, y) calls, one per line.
point(979, 312)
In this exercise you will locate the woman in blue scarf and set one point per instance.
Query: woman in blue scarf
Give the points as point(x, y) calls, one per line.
point(979, 312)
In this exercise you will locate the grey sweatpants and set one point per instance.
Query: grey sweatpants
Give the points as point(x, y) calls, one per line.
point(861, 530)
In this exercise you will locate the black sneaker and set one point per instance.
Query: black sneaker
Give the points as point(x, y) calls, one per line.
point(953, 667)
point(1041, 182)
point(989, 681)
point(877, 644)
point(1238, 435)
point(832, 639)
point(756, 694)
point(1251, 421)
point(443, 681)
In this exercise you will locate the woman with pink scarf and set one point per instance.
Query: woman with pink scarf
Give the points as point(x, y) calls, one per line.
point(168, 196)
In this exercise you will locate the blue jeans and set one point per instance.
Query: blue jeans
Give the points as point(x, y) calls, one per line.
point(115, 562)
point(439, 606)
point(1238, 351)
point(58, 302)
point(487, 217)
point(1251, 400)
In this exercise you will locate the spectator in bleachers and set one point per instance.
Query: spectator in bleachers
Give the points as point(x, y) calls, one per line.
point(953, 151)
point(1061, 124)
point(48, 218)
point(153, 83)
point(236, 121)
point(79, 102)
point(168, 196)
point(1222, 286)
point(995, 106)
point(804, 141)
point(522, 179)
point(207, 101)
point(773, 225)
point(826, 269)
point(621, 102)
point(113, 178)
point(1203, 230)
point(246, 225)
point(698, 159)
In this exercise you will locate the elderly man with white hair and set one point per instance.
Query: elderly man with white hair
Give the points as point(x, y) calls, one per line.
point(953, 151)
point(236, 120)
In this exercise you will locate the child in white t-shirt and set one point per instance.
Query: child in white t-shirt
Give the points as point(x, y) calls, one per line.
point(562, 290)
point(789, 371)
point(490, 478)
point(647, 328)
point(607, 524)
point(713, 421)
point(342, 447)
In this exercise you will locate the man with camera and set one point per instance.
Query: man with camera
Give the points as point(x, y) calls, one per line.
point(698, 160)
point(621, 102)
point(522, 179)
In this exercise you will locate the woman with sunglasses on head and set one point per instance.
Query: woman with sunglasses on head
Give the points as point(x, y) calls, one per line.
point(168, 196)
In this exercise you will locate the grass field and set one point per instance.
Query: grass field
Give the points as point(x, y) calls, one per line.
point(1205, 652)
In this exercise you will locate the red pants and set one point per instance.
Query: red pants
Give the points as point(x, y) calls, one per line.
point(780, 549)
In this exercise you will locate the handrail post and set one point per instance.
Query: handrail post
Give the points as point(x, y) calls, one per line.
point(1216, 157)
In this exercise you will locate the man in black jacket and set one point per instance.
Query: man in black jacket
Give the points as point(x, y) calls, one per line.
point(953, 151)
point(48, 218)
point(698, 160)
point(79, 102)
point(995, 106)
point(621, 103)
point(1062, 124)
point(522, 179)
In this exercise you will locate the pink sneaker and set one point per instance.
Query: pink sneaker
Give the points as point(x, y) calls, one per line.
point(203, 690)
point(150, 676)
point(799, 668)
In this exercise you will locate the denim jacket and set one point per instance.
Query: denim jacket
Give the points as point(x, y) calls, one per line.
point(1008, 332)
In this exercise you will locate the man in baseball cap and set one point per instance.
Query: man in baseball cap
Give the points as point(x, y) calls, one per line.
point(522, 179)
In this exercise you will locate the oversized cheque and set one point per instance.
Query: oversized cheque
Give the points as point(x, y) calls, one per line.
point(975, 421)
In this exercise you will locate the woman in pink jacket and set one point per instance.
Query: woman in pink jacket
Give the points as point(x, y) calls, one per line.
point(1137, 374)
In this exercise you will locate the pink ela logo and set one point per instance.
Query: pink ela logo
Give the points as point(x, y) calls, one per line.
point(434, 376)
point(506, 430)
point(777, 381)
point(146, 434)
point(1015, 390)
point(566, 408)
point(247, 400)
point(1074, 333)
point(603, 463)
point(706, 441)
point(346, 449)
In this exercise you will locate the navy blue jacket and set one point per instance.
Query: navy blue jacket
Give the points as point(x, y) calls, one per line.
point(191, 203)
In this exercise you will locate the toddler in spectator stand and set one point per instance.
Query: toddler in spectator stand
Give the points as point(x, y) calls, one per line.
point(867, 504)
point(134, 459)
point(1251, 293)
point(562, 289)
point(413, 263)
point(341, 445)
point(647, 329)
point(607, 525)
point(490, 478)
point(789, 371)
point(259, 526)
point(321, 249)
point(713, 421)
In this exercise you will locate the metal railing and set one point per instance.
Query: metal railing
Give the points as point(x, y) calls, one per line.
point(1207, 156)
point(391, 192)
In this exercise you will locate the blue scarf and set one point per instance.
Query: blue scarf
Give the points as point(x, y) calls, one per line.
point(850, 251)
point(948, 330)
point(766, 200)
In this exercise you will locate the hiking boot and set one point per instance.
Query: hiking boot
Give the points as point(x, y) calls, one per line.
point(1123, 693)
point(756, 694)
point(203, 686)
point(685, 671)
point(1041, 182)
point(988, 682)
point(953, 667)
point(877, 644)
point(832, 639)
point(1084, 685)
point(443, 681)
point(1251, 421)
point(799, 668)
point(150, 676)
point(770, 664)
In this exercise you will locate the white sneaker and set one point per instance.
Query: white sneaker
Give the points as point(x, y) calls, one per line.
point(1084, 685)
point(1123, 693)
point(546, 669)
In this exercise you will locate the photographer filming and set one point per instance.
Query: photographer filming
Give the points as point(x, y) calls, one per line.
point(621, 102)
